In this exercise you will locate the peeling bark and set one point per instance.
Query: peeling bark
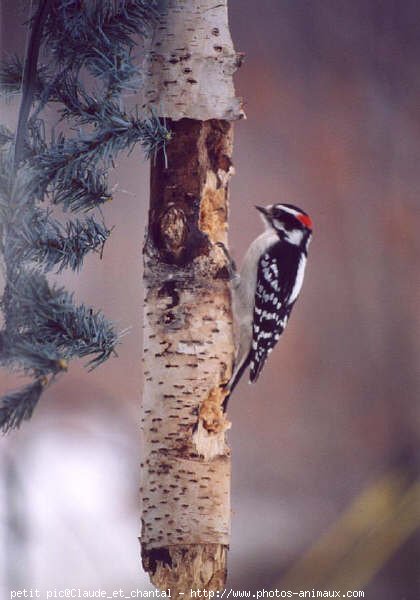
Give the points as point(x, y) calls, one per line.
point(188, 338)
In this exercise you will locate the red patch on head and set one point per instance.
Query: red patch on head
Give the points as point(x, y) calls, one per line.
point(305, 220)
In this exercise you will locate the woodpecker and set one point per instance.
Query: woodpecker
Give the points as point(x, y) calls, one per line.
point(267, 287)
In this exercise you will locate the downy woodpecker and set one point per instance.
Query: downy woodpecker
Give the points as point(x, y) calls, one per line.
point(267, 287)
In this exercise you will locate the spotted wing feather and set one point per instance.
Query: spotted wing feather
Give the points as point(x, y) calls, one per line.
point(271, 309)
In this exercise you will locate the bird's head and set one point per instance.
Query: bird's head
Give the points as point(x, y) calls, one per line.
point(291, 223)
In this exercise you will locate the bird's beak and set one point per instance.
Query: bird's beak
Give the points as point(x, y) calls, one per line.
point(265, 215)
point(262, 210)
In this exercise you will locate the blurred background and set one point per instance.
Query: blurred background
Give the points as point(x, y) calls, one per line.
point(326, 490)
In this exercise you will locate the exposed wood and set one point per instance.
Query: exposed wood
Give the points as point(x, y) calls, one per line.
point(197, 567)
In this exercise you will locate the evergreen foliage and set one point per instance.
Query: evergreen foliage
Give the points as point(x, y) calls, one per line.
point(80, 41)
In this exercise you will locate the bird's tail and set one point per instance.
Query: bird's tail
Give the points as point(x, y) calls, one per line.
point(234, 380)
point(256, 366)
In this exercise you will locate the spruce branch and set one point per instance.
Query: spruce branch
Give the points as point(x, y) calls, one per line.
point(29, 76)
point(73, 170)
point(43, 327)
point(102, 25)
point(119, 131)
point(19, 405)
point(11, 73)
point(34, 358)
point(77, 102)
point(44, 240)
point(44, 316)
point(6, 136)
point(82, 190)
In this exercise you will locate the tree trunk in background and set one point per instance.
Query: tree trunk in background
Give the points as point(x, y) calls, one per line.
point(188, 342)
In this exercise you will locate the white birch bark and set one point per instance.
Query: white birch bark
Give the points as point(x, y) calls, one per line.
point(189, 66)
point(188, 342)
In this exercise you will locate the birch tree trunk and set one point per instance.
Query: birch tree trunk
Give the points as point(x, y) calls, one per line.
point(188, 342)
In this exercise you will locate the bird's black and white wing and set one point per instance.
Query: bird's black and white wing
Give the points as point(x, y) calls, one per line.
point(278, 284)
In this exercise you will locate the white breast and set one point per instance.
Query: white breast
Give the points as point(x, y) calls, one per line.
point(245, 289)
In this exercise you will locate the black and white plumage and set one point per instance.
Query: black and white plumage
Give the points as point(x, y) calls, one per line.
point(268, 286)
